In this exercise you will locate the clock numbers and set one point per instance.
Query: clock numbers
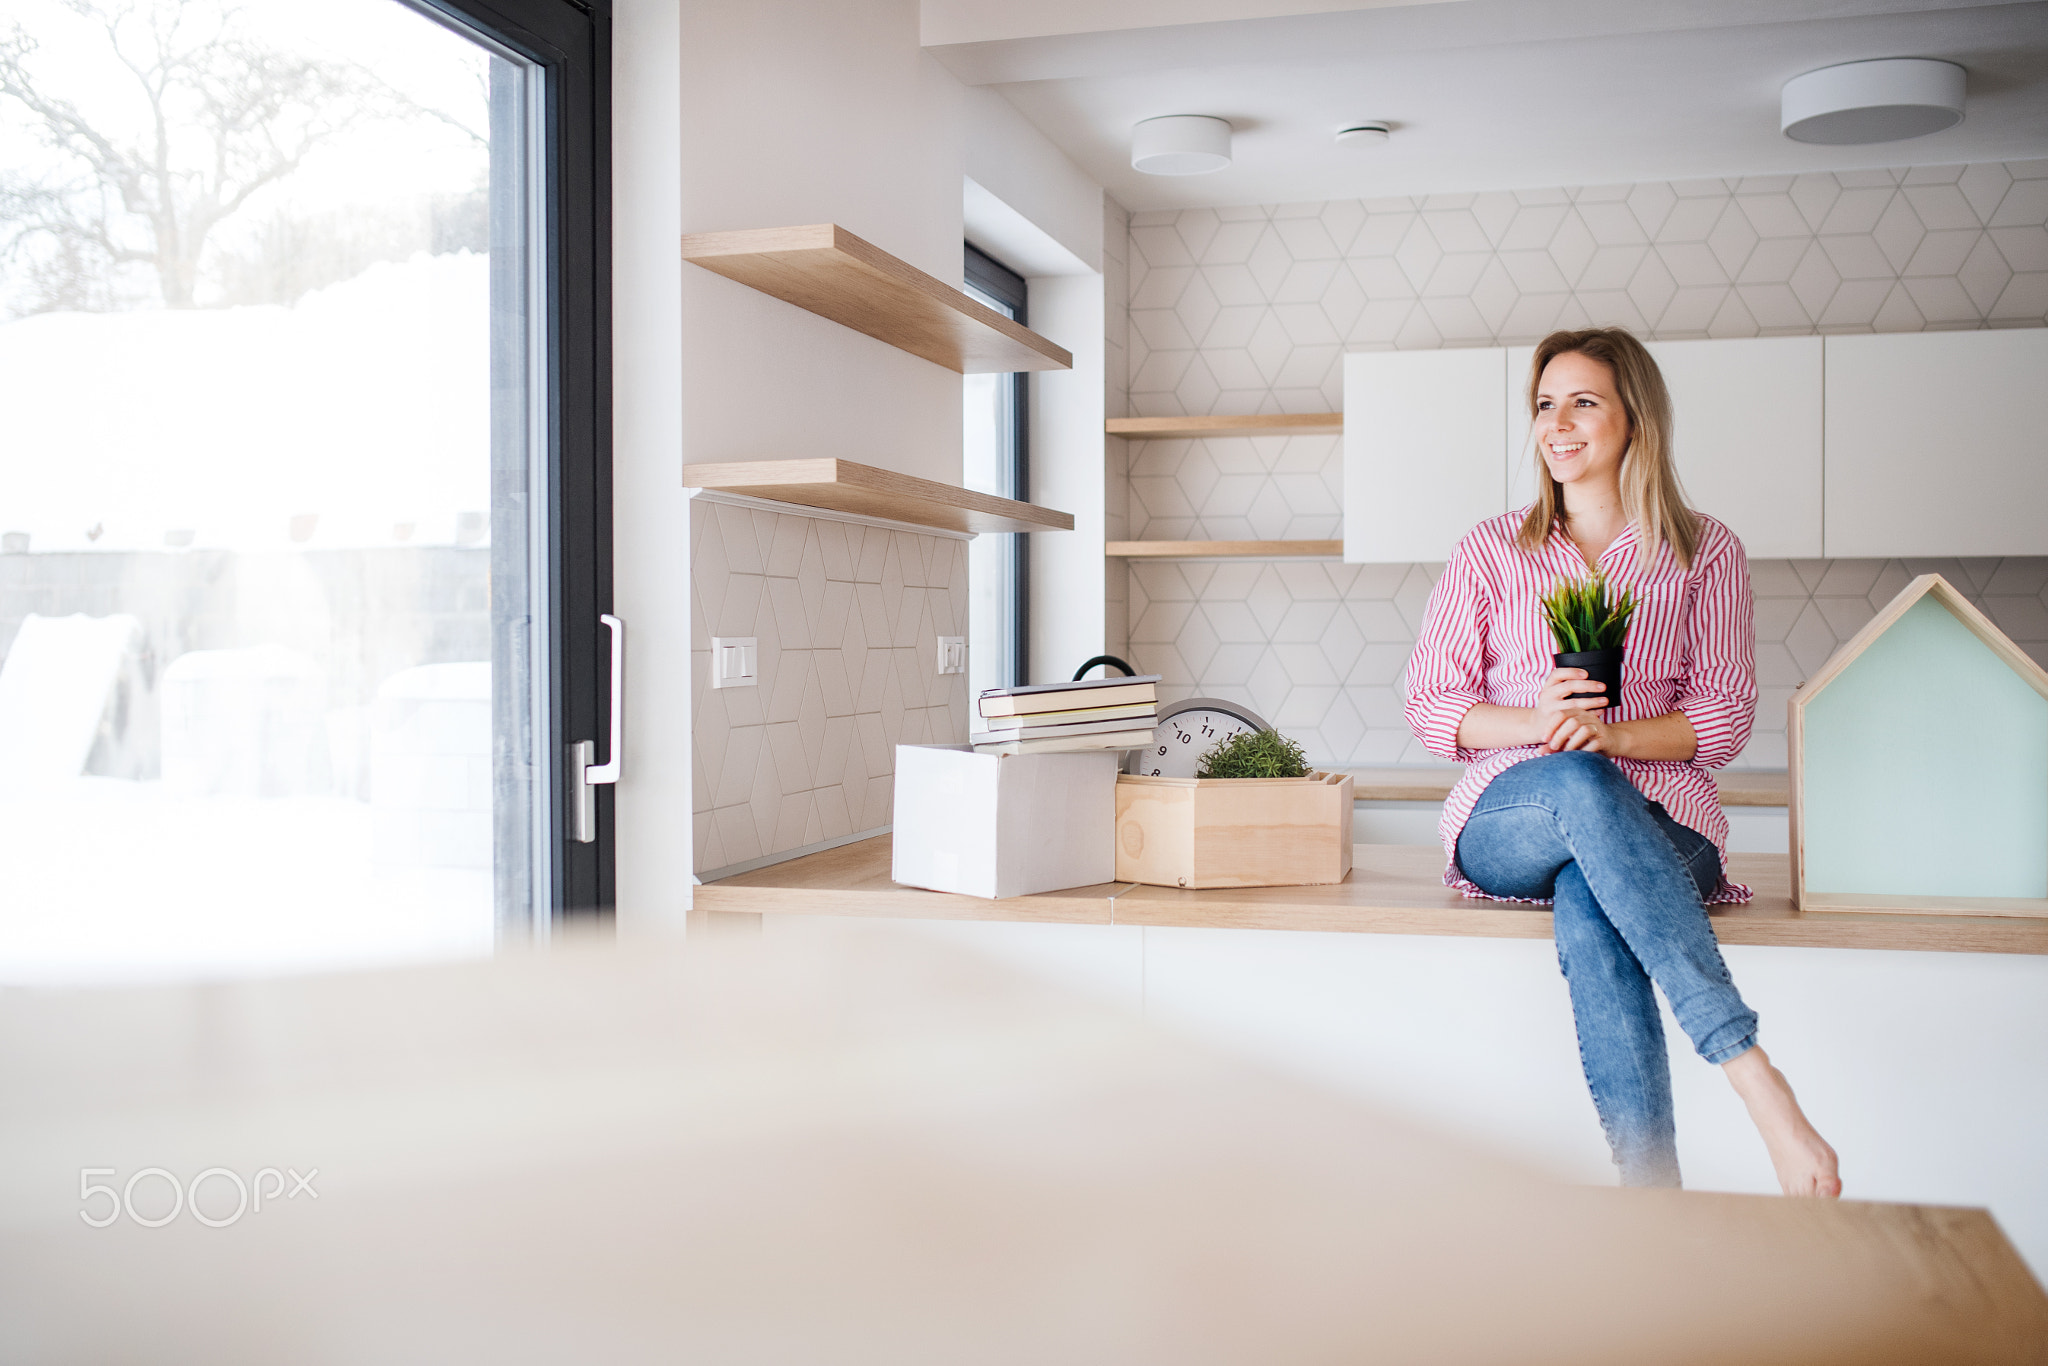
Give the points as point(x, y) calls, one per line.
point(1185, 739)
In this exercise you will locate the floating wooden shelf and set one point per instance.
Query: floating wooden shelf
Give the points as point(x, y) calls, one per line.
point(1263, 424)
point(865, 491)
point(826, 269)
point(1203, 550)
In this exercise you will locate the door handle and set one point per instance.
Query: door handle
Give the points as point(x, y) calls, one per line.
point(608, 771)
point(585, 774)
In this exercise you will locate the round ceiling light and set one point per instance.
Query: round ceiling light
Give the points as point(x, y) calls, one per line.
point(1371, 133)
point(1879, 101)
point(1180, 144)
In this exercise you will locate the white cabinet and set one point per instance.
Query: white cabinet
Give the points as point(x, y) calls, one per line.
point(1937, 444)
point(1746, 418)
point(1423, 435)
point(1905, 444)
point(1523, 462)
point(1746, 424)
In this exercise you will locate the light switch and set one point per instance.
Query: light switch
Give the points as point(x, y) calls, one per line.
point(734, 661)
point(952, 654)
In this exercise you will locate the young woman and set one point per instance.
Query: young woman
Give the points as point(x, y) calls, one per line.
point(1612, 815)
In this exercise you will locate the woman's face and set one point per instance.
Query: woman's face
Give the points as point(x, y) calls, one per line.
point(1580, 427)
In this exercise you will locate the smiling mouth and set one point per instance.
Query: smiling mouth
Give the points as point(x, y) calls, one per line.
point(1567, 452)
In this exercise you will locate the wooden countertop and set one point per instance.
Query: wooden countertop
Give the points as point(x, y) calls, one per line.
point(1393, 889)
point(852, 1146)
point(1419, 784)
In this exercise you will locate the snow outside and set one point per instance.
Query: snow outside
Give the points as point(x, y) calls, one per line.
point(245, 703)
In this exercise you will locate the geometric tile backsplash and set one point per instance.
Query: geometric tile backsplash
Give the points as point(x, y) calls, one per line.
point(1250, 310)
point(847, 617)
point(1246, 310)
point(1318, 648)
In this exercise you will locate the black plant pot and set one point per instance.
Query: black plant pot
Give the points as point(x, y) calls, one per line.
point(1601, 666)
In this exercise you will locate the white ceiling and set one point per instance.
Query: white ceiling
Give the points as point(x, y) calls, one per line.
point(981, 21)
point(1490, 94)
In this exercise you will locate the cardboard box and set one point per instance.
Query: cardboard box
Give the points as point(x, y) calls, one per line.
point(1003, 825)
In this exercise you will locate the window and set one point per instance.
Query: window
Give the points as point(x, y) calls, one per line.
point(997, 460)
point(303, 480)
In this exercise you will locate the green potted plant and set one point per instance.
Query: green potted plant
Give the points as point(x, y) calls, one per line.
point(1256, 815)
point(1590, 626)
point(1255, 754)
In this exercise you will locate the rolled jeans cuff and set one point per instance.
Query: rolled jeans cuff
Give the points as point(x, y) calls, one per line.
point(1733, 1050)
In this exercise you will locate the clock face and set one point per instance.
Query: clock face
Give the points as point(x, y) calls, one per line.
point(1185, 734)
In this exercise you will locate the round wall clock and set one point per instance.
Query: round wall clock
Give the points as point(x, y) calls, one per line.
point(1185, 734)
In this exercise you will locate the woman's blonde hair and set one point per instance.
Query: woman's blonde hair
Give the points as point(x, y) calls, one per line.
point(1650, 492)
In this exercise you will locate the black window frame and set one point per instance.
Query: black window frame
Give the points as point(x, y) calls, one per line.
point(1008, 288)
point(571, 40)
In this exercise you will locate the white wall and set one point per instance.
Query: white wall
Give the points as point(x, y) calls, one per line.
point(1067, 568)
point(650, 515)
point(770, 114)
point(815, 111)
point(1474, 1037)
point(1011, 160)
point(1035, 211)
point(1116, 455)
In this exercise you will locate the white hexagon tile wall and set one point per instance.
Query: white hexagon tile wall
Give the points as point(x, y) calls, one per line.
point(1249, 310)
point(846, 617)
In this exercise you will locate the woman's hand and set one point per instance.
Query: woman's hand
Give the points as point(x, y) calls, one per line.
point(1564, 721)
point(1588, 732)
point(1561, 721)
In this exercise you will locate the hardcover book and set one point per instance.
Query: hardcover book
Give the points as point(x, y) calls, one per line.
point(1043, 697)
point(1122, 739)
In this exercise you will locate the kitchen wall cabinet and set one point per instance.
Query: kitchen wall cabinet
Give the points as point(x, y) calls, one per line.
point(1748, 443)
point(1937, 444)
point(1523, 462)
point(1903, 444)
point(1746, 439)
point(1423, 435)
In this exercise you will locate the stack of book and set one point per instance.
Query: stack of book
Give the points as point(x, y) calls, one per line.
point(1050, 718)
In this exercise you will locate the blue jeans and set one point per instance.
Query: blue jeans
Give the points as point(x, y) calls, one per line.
point(1626, 881)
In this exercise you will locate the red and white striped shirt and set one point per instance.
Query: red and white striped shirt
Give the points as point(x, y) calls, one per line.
point(1691, 649)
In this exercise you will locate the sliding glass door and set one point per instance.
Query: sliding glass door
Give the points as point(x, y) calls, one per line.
point(303, 457)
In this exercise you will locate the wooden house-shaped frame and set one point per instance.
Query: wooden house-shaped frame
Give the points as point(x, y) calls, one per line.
point(1918, 762)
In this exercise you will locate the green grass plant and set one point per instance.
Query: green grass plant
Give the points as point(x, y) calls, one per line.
point(1256, 754)
point(1583, 617)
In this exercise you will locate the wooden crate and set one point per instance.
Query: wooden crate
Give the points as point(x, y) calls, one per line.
point(1233, 832)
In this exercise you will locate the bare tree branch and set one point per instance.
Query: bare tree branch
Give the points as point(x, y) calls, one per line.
point(228, 118)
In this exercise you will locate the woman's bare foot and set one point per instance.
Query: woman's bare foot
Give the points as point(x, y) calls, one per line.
point(1804, 1161)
